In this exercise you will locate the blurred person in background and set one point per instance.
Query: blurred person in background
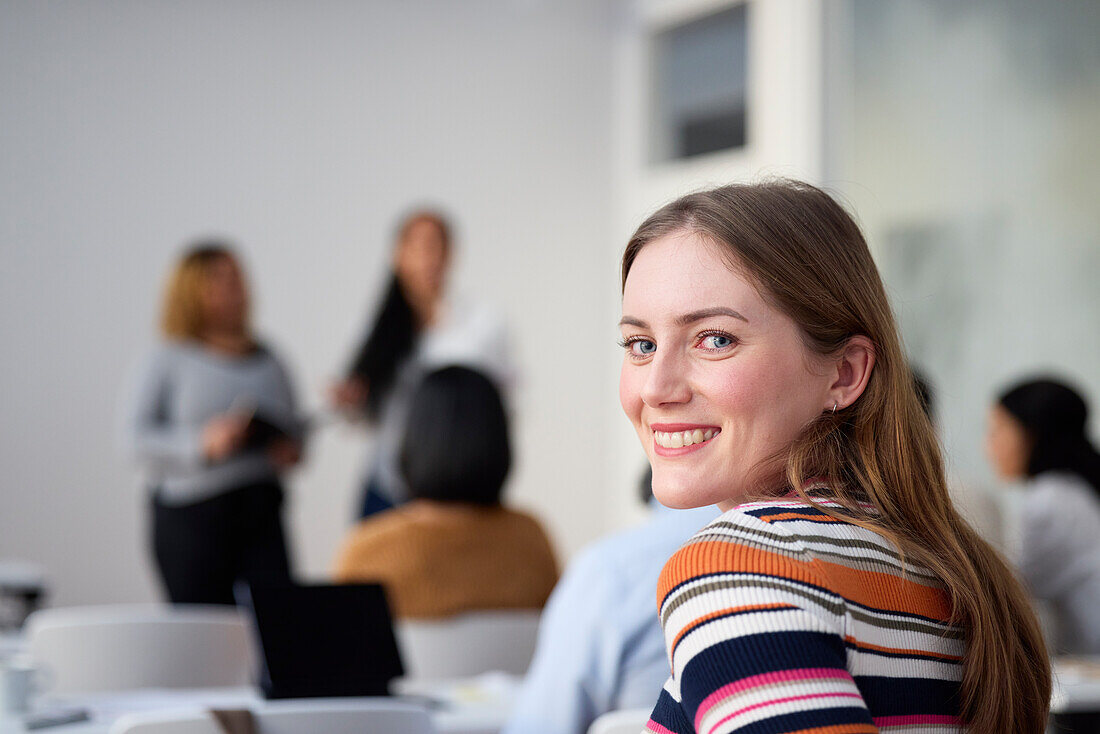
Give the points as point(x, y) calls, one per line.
point(1037, 433)
point(210, 415)
point(453, 547)
point(600, 647)
point(417, 327)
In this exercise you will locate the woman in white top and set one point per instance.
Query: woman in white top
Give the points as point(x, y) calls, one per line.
point(416, 329)
point(1037, 432)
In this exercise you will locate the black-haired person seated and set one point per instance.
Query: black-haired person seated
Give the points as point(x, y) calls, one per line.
point(1037, 433)
point(453, 547)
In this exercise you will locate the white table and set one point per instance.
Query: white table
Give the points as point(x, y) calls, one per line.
point(477, 705)
point(1076, 685)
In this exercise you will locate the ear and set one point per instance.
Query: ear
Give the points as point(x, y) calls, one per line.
point(853, 372)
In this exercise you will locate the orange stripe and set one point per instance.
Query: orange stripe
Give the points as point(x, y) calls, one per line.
point(868, 588)
point(728, 610)
point(886, 591)
point(901, 650)
point(718, 556)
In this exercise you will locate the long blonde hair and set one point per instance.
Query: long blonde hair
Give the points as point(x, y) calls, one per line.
point(182, 310)
point(809, 260)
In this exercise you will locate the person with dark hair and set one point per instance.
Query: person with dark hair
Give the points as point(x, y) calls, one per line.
point(416, 328)
point(453, 547)
point(211, 416)
point(1037, 433)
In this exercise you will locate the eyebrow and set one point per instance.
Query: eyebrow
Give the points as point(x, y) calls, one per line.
point(688, 318)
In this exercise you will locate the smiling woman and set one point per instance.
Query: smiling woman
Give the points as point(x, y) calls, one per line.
point(840, 591)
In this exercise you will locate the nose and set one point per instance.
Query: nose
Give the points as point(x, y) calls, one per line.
point(667, 381)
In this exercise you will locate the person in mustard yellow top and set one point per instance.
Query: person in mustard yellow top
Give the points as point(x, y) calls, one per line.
point(453, 548)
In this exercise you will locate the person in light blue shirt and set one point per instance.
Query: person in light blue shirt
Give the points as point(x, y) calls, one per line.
point(600, 646)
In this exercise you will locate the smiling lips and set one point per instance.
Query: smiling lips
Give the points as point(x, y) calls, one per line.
point(672, 440)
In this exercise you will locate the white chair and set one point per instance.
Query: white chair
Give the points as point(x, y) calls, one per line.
point(314, 716)
point(627, 721)
point(468, 644)
point(114, 648)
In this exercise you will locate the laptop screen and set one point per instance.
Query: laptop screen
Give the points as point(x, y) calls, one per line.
point(325, 640)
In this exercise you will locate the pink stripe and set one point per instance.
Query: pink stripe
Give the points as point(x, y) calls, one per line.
point(763, 679)
point(775, 702)
point(656, 728)
point(916, 719)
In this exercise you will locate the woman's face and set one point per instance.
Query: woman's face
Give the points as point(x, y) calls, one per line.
point(224, 296)
point(1007, 444)
point(421, 260)
point(715, 380)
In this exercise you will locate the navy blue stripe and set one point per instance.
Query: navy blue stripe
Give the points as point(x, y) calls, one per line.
point(668, 714)
point(808, 512)
point(823, 520)
point(741, 657)
point(907, 696)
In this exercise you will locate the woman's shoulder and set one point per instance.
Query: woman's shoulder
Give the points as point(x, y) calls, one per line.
point(169, 351)
point(383, 530)
point(1060, 483)
point(520, 518)
point(777, 524)
point(749, 538)
point(1060, 496)
point(785, 538)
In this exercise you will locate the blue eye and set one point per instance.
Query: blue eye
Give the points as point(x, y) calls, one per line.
point(716, 341)
point(638, 347)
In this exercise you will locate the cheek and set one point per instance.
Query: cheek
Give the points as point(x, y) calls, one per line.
point(630, 387)
point(772, 403)
point(1019, 452)
point(746, 391)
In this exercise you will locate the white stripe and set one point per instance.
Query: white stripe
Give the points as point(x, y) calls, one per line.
point(743, 625)
point(861, 663)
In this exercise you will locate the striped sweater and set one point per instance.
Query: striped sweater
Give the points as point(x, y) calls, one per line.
point(778, 618)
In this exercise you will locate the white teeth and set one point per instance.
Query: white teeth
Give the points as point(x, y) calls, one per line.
point(680, 439)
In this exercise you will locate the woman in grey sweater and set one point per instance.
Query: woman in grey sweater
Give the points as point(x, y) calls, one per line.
point(1037, 433)
point(210, 416)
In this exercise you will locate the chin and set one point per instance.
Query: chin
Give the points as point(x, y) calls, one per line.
point(679, 495)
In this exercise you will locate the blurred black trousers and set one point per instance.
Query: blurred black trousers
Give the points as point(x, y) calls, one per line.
point(202, 549)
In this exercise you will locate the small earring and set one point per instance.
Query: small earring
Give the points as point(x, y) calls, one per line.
point(834, 407)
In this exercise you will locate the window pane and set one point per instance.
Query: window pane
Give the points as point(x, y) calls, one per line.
point(699, 85)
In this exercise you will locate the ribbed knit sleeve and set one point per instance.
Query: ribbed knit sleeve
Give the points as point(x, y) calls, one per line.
point(755, 638)
point(780, 617)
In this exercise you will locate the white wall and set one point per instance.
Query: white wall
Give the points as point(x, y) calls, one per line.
point(300, 130)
